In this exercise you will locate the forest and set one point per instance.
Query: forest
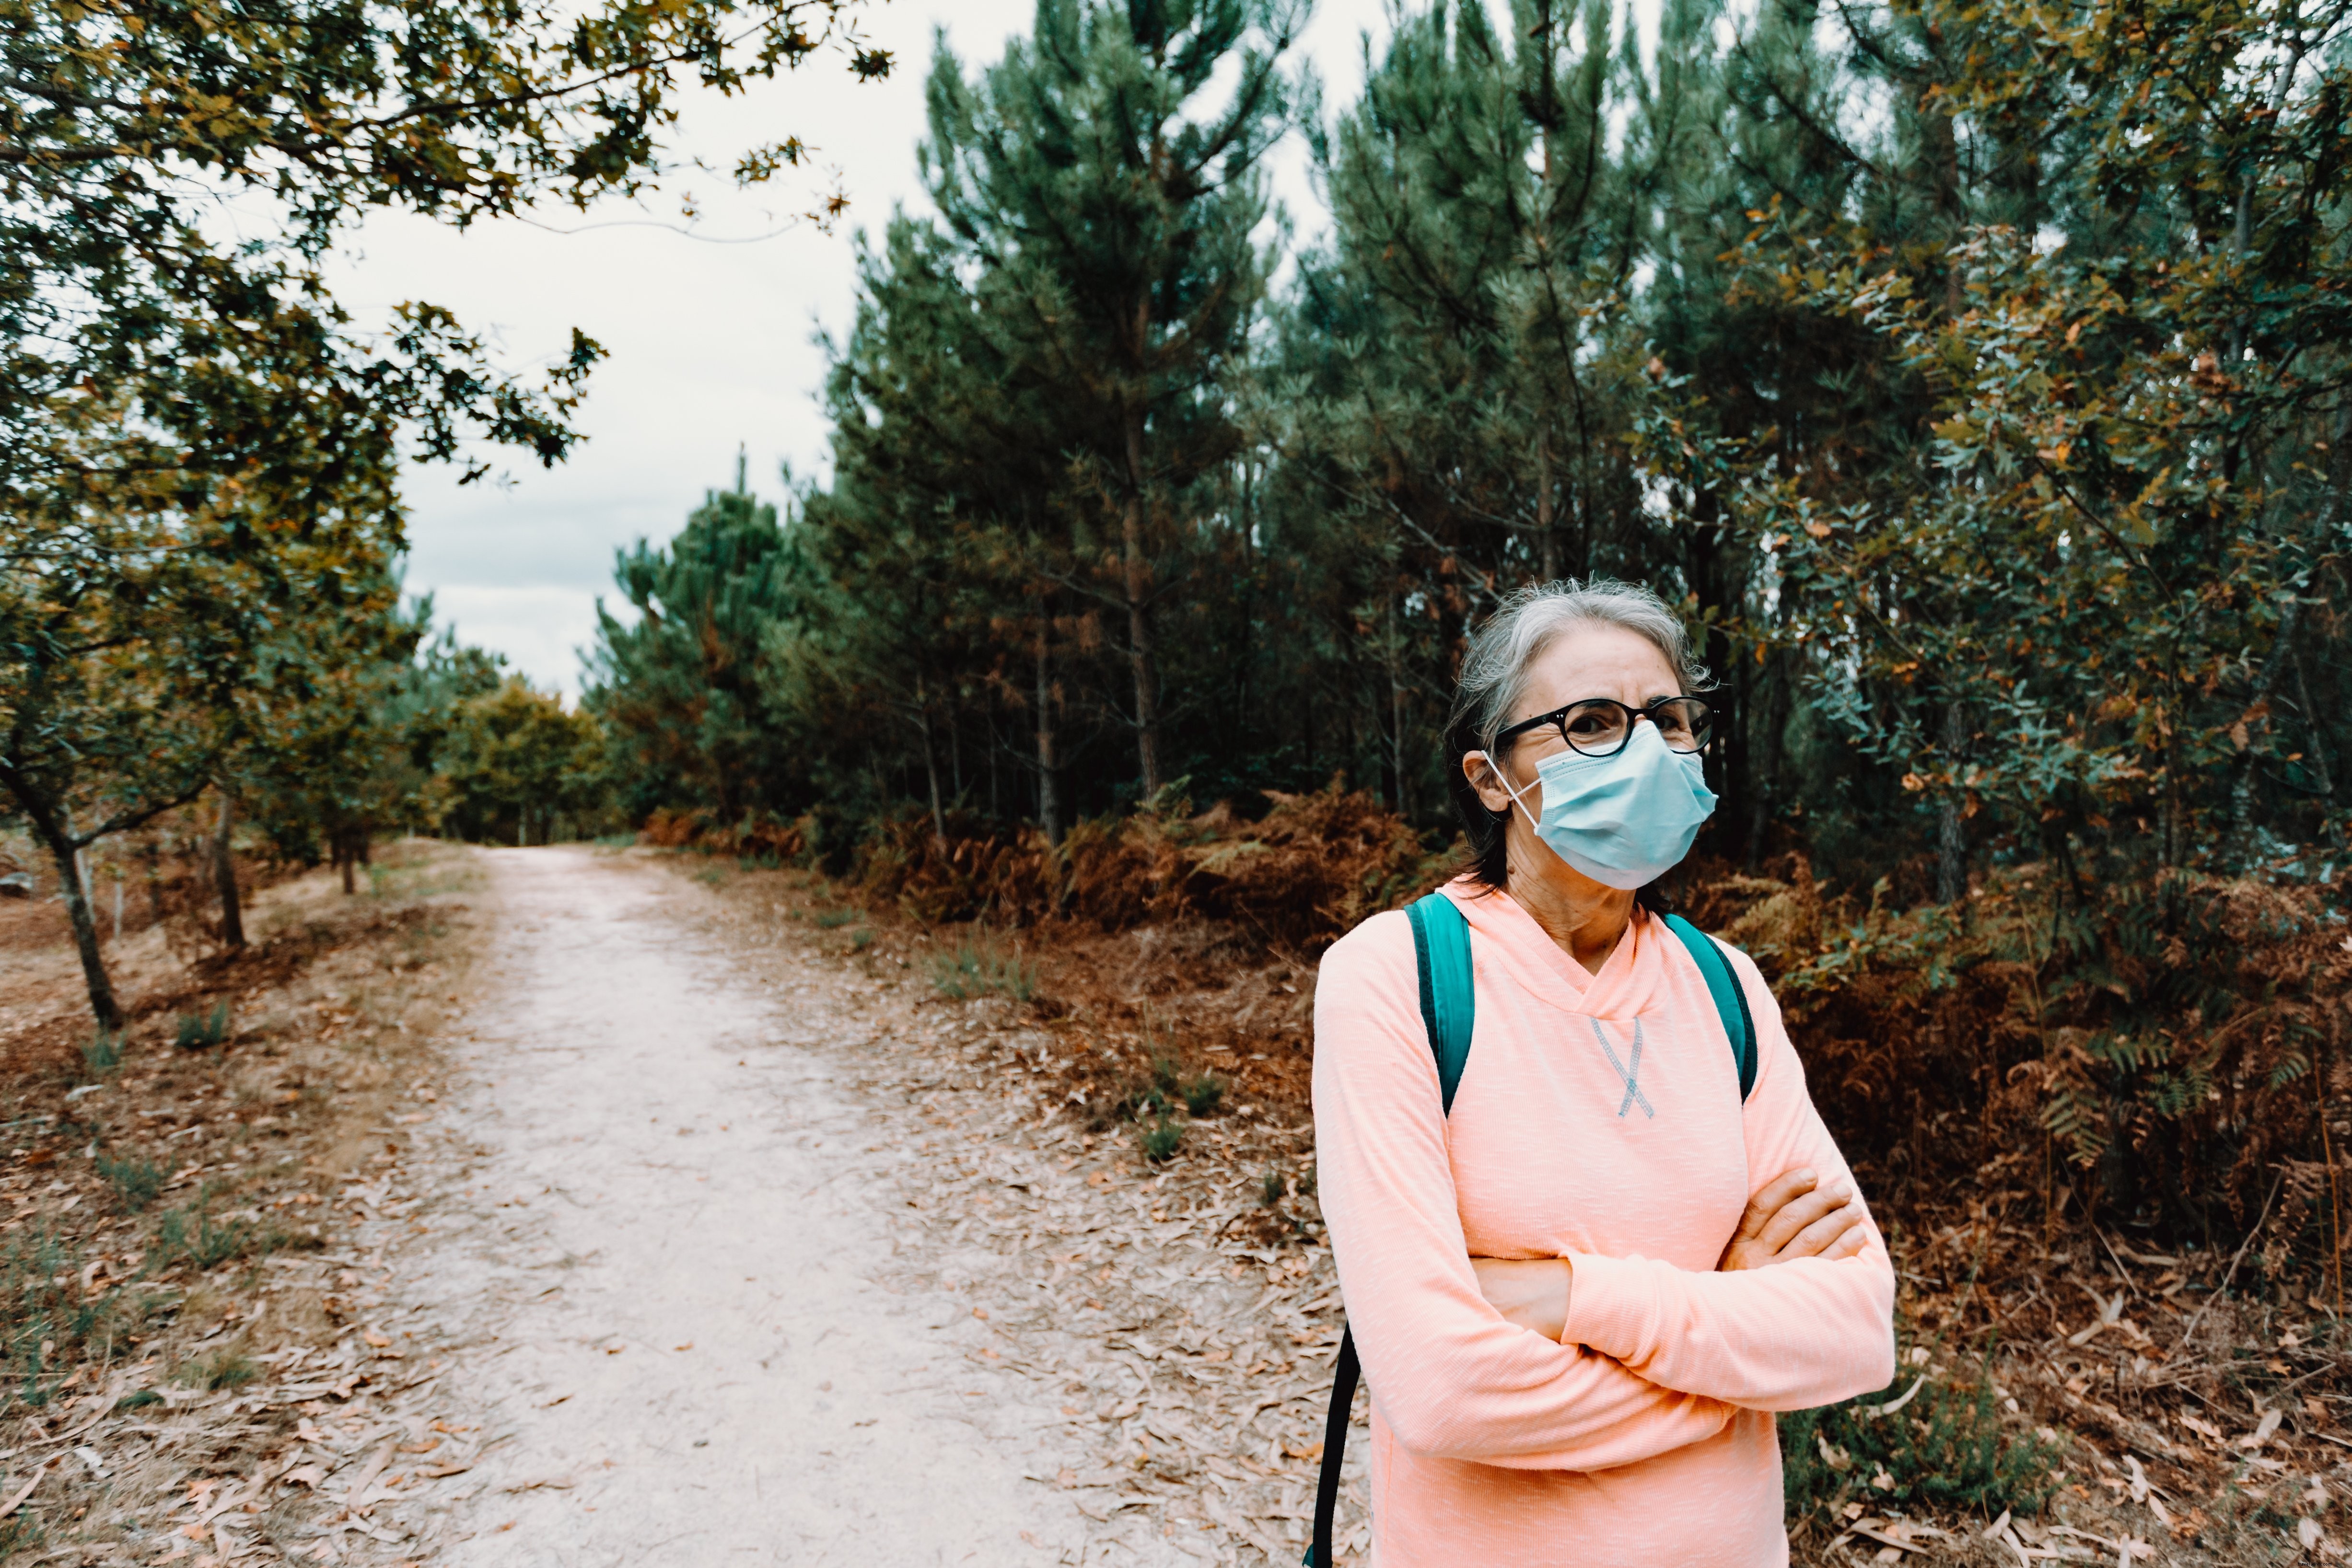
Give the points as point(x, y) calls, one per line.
point(1971, 377)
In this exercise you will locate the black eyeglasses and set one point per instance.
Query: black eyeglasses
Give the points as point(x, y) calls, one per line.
point(1601, 727)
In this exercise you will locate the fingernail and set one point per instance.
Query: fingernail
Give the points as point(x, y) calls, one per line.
point(1807, 1176)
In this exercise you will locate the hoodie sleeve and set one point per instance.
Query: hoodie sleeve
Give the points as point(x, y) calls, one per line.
point(1448, 1375)
point(1786, 1337)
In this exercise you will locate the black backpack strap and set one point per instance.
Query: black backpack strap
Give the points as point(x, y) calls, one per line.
point(1334, 1449)
point(1441, 955)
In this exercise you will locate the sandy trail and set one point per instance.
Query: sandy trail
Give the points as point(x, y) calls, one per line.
point(659, 1275)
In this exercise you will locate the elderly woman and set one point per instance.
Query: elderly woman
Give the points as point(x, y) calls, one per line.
point(1581, 1290)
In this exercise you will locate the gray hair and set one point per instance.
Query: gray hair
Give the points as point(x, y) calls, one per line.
point(1495, 677)
point(1494, 669)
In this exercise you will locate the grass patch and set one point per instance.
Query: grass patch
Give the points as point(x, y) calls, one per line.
point(1948, 1449)
point(192, 1235)
point(102, 1054)
point(616, 841)
point(982, 966)
point(861, 939)
point(711, 876)
point(48, 1324)
point(1160, 1139)
point(202, 1031)
point(1203, 1093)
point(222, 1369)
point(135, 1181)
point(835, 919)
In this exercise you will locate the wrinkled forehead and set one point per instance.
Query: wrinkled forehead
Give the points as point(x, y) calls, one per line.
point(1595, 660)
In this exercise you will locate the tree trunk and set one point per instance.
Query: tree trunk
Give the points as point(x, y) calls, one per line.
point(1547, 536)
point(1396, 710)
point(930, 764)
point(66, 852)
point(2241, 789)
point(1138, 585)
point(1951, 824)
point(1049, 790)
point(351, 866)
point(224, 877)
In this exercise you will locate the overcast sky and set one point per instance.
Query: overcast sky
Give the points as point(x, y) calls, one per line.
point(711, 343)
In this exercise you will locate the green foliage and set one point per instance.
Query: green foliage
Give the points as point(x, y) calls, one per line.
point(515, 764)
point(136, 1182)
point(1160, 1140)
point(102, 1054)
point(835, 919)
point(202, 1031)
point(1203, 1093)
point(193, 1235)
point(1948, 1449)
point(983, 965)
point(223, 1368)
point(42, 1303)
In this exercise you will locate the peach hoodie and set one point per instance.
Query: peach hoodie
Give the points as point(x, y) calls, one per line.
point(1645, 1437)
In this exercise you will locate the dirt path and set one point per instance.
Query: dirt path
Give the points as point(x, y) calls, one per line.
point(662, 1269)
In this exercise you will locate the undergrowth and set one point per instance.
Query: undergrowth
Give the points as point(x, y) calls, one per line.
point(48, 1321)
point(202, 1031)
point(1948, 1447)
point(136, 1182)
point(981, 965)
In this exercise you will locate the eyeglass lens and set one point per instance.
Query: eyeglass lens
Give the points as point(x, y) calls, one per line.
point(1599, 727)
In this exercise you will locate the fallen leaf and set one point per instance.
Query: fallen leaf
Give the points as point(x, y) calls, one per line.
point(375, 1339)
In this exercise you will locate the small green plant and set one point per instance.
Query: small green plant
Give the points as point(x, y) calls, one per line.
point(102, 1054)
point(1204, 1093)
point(202, 1031)
point(1940, 1443)
point(222, 1369)
point(141, 1397)
point(135, 1181)
point(46, 1322)
point(835, 919)
point(710, 875)
point(861, 939)
point(617, 842)
point(192, 1235)
point(759, 862)
point(982, 966)
point(1272, 1188)
point(1160, 1139)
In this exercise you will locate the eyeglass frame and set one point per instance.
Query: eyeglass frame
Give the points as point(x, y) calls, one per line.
point(1718, 709)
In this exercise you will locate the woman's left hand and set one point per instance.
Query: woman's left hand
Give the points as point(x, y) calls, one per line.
point(1530, 1291)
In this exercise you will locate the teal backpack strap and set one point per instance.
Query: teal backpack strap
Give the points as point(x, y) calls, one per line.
point(1449, 1007)
point(1730, 996)
point(1441, 951)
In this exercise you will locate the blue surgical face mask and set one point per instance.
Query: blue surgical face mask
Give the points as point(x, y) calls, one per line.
point(1623, 820)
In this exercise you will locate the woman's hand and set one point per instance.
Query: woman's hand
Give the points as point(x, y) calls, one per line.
point(1795, 1217)
point(1791, 1217)
point(1530, 1291)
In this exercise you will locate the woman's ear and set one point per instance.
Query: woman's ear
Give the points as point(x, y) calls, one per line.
point(1486, 782)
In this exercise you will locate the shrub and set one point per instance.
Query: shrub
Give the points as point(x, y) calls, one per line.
point(982, 966)
point(42, 1304)
point(1948, 1448)
point(1204, 1093)
point(222, 1369)
point(135, 1181)
point(202, 1031)
point(102, 1054)
point(1160, 1140)
point(192, 1235)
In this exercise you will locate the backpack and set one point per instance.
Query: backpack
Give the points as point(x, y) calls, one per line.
point(1441, 951)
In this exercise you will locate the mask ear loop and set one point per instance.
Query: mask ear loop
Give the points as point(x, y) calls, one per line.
point(1504, 778)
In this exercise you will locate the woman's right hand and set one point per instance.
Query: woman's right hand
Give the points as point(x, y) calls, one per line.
point(1795, 1217)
